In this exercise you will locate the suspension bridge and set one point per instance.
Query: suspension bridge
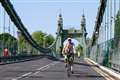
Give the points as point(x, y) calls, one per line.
point(100, 59)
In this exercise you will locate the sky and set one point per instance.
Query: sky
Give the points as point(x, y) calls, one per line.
point(43, 14)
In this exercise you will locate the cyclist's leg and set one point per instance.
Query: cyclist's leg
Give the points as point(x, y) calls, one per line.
point(72, 59)
point(65, 60)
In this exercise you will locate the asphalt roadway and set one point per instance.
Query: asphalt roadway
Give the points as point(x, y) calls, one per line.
point(45, 69)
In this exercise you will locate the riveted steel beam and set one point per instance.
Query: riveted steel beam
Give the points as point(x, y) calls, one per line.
point(99, 19)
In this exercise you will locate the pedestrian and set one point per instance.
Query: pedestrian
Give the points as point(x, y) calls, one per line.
point(6, 52)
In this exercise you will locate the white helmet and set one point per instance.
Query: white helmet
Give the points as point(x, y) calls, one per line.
point(69, 39)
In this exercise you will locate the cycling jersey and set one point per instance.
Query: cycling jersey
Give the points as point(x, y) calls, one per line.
point(69, 48)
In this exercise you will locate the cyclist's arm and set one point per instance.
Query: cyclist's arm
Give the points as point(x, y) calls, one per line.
point(63, 51)
point(74, 49)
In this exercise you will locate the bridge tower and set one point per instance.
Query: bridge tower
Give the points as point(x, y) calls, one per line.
point(84, 34)
point(79, 35)
point(83, 25)
point(59, 44)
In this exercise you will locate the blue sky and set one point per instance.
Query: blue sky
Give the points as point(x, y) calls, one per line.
point(42, 14)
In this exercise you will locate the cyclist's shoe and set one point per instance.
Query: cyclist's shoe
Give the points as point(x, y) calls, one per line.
point(72, 69)
point(65, 65)
point(72, 72)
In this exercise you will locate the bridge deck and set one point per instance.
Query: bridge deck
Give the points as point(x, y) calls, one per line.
point(45, 69)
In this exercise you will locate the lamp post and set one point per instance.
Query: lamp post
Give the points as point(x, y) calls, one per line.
point(19, 34)
point(96, 36)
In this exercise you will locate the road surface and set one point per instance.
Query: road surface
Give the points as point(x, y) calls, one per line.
point(45, 69)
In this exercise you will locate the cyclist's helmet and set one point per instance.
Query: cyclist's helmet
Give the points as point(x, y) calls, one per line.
point(69, 39)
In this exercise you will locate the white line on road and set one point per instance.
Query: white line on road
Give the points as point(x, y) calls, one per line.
point(36, 73)
point(45, 67)
point(26, 74)
point(38, 70)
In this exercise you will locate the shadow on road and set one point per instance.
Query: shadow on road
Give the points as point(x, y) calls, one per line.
point(85, 64)
point(90, 76)
point(82, 63)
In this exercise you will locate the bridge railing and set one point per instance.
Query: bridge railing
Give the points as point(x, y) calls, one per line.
point(106, 53)
point(25, 53)
point(53, 49)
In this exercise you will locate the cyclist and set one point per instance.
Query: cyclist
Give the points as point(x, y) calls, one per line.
point(68, 51)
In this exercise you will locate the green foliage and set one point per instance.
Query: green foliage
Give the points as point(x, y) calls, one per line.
point(38, 36)
point(6, 40)
point(43, 39)
point(49, 40)
point(72, 29)
point(117, 25)
point(22, 42)
point(79, 48)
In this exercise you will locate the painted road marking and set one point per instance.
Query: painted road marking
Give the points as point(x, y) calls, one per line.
point(46, 67)
point(36, 73)
point(38, 70)
point(43, 67)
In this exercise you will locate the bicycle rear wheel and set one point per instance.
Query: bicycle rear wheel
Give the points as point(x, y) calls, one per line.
point(68, 70)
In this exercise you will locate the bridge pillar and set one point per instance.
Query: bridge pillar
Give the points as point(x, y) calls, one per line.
point(84, 34)
point(59, 44)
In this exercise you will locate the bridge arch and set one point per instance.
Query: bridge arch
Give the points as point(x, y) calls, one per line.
point(77, 34)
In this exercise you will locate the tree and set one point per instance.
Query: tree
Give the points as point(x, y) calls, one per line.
point(38, 36)
point(71, 29)
point(117, 25)
point(79, 50)
point(22, 43)
point(7, 40)
point(117, 30)
point(42, 38)
point(49, 40)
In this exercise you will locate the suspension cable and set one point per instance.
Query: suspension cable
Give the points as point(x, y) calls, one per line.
point(4, 22)
point(114, 13)
point(119, 5)
point(9, 24)
point(17, 21)
point(108, 20)
point(111, 19)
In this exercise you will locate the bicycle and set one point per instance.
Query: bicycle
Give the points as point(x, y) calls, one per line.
point(69, 63)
